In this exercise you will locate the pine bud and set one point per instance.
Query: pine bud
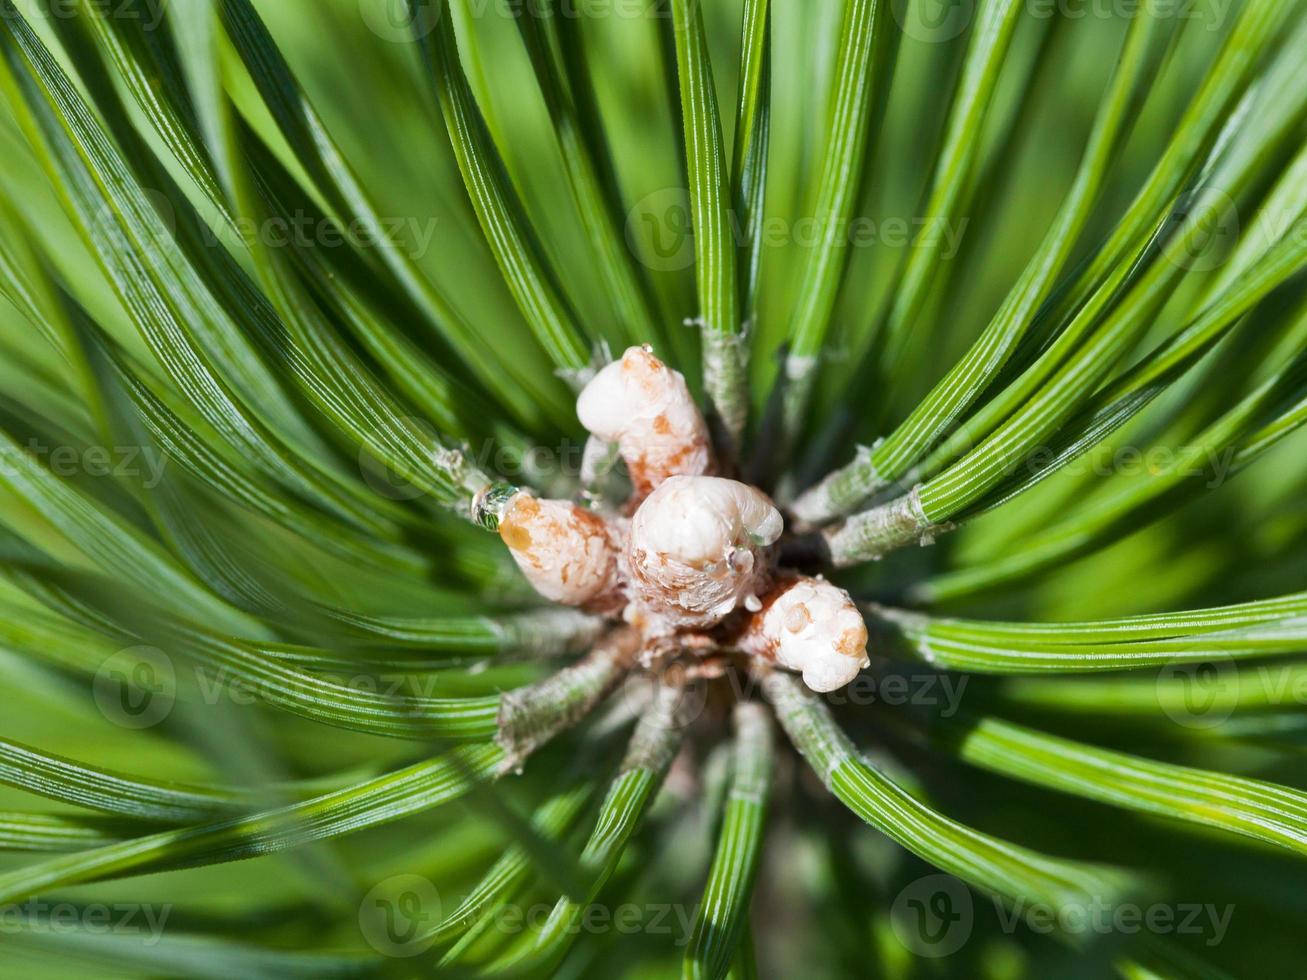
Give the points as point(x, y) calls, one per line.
point(645, 407)
point(567, 553)
point(697, 550)
point(813, 627)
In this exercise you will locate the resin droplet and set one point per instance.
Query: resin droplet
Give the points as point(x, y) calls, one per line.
point(645, 407)
point(567, 553)
point(489, 505)
point(697, 550)
point(813, 627)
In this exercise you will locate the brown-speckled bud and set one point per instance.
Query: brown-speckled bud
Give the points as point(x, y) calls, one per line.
point(566, 552)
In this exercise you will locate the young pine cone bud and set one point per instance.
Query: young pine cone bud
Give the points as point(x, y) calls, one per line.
point(645, 407)
point(566, 552)
point(810, 626)
point(697, 550)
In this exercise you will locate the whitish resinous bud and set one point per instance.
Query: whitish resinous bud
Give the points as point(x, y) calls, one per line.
point(567, 553)
point(810, 626)
point(645, 407)
point(697, 550)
